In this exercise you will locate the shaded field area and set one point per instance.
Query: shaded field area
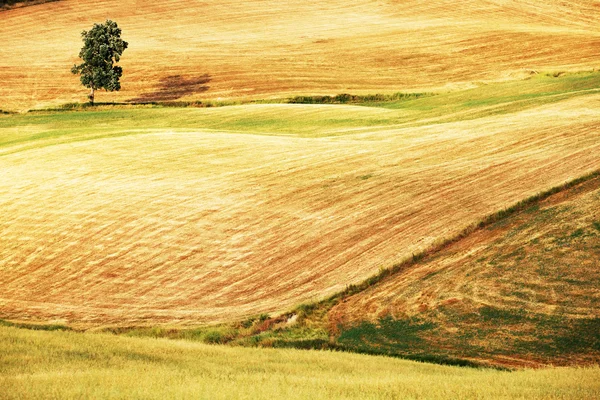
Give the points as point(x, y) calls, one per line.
point(128, 216)
point(267, 49)
point(68, 365)
point(523, 291)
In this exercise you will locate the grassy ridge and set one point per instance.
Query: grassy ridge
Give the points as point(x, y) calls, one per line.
point(67, 365)
point(319, 120)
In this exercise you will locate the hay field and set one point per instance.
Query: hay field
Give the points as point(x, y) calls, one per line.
point(65, 365)
point(148, 216)
point(524, 291)
point(231, 49)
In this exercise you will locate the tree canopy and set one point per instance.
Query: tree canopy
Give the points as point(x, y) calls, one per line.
point(102, 48)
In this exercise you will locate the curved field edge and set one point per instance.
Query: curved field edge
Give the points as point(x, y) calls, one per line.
point(317, 325)
point(524, 291)
point(74, 365)
point(503, 292)
point(484, 223)
point(386, 170)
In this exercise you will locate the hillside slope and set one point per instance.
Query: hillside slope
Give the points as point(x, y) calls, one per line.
point(132, 216)
point(524, 291)
point(231, 49)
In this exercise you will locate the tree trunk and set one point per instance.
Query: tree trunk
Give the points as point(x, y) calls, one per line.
point(91, 96)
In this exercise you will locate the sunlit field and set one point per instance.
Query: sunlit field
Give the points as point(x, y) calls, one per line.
point(393, 178)
point(523, 291)
point(65, 365)
point(225, 49)
point(170, 215)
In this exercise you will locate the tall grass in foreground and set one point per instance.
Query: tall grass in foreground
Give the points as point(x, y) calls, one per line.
point(66, 365)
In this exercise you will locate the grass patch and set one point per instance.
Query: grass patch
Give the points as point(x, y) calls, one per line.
point(387, 335)
point(36, 327)
point(81, 121)
point(577, 233)
point(537, 335)
point(70, 365)
point(220, 334)
point(498, 98)
point(396, 338)
point(505, 316)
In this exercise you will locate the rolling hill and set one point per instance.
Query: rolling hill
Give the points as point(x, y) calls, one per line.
point(166, 216)
point(518, 289)
point(263, 49)
point(163, 218)
point(522, 291)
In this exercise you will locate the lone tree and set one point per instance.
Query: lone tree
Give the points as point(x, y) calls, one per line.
point(102, 48)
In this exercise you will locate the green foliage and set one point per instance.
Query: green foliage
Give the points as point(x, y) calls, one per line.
point(553, 333)
point(102, 48)
point(346, 98)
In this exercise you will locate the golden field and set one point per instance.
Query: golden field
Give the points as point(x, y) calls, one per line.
point(231, 49)
point(68, 365)
point(521, 292)
point(142, 216)
point(220, 198)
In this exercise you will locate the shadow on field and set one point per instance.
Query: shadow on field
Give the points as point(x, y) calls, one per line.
point(174, 87)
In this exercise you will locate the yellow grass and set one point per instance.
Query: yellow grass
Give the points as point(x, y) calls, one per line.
point(241, 49)
point(44, 365)
point(160, 226)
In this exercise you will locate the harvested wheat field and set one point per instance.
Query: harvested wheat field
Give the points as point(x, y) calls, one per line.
point(184, 50)
point(524, 291)
point(106, 222)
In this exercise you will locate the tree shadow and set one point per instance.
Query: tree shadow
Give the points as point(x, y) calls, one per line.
point(174, 87)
